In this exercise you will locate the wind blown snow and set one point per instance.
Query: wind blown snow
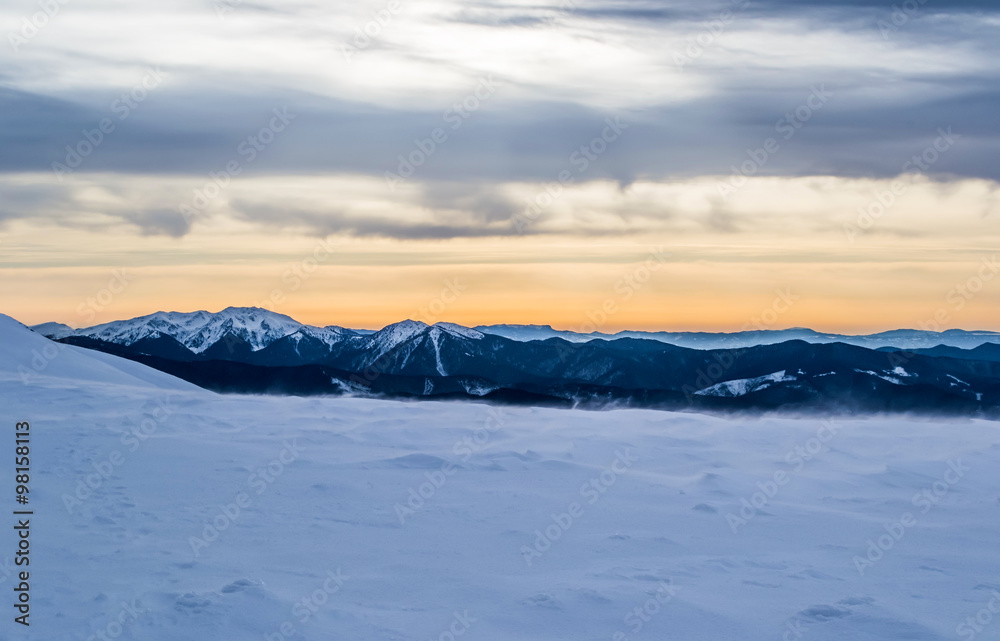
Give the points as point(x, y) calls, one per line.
point(165, 512)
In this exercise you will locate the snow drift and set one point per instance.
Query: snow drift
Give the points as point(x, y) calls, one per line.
point(167, 513)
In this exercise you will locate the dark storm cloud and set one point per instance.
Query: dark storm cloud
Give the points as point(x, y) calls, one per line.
point(194, 134)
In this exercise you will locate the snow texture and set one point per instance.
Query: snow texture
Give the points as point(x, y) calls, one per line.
point(743, 386)
point(379, 520)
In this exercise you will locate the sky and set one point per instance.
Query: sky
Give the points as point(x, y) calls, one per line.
point(587, 164)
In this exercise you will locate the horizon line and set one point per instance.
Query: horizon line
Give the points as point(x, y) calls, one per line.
point(596, 331)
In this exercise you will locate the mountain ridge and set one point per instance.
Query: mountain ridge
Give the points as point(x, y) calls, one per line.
point(412, 359)
point(260, 327)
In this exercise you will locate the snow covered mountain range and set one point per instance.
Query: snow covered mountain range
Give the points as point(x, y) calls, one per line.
point(250, 350)
point(260, 327)
point(200, 330)
point(156, 521)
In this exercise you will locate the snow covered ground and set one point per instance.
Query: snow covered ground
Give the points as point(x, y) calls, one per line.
point(165, 512)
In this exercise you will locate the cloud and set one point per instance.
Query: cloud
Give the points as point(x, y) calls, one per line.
point(851, 135)
point(332, 221)
point(561, 73)
point(354, 206)
point(880, 5)
point(159, 222)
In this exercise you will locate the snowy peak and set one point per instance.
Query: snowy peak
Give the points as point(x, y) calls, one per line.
point(53, 330)
point(258, 327)
point(197, 330)
point(408, 337)
point(399, 332)
point(392, 336)
point(329, 336)
point(459, 330)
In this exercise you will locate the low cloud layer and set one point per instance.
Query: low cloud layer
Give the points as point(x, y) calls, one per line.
point(829, 211)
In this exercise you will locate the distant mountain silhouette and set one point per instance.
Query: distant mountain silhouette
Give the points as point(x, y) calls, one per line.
point(252, 353)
